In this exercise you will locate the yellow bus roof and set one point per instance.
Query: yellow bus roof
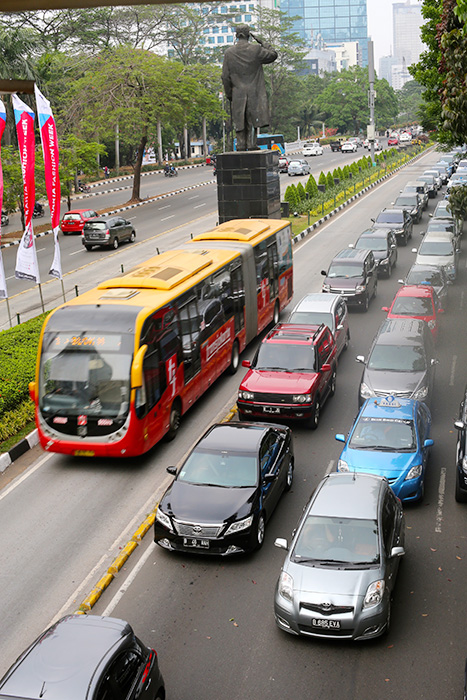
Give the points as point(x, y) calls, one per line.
point(246, 230)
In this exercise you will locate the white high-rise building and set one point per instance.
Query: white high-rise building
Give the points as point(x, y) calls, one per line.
point(407, 20)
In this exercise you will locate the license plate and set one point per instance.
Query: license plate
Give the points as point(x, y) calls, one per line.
point(326, 624)
point(271, 409)
point(193, 542)
point(84, 453)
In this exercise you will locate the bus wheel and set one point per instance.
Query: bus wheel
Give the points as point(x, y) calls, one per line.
point(234, 359)
point(276, 314)
point(175, 418)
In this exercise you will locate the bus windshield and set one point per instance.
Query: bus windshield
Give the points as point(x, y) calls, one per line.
point(273, 142)
point(85, 372)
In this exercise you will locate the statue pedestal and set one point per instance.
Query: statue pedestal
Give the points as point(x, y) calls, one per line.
point(248, 185)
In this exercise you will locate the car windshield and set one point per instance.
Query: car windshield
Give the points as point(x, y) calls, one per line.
point(311, 318)
point(406, 201)
point(383, 434)
point(412, 306)
point(372, 243)
point(436, 248)
point(286, 357)
point(397, 358)
point(226, 468)
point(389, 218)
point(346, 271)
point(326, 540)
point(430, 277)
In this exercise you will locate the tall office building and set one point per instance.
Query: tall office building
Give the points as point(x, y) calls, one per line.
point(407, 20)
point(333, 21)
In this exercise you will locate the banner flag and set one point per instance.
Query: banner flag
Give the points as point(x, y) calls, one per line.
point(3, 291)
point(26, 259)
point(49, 141)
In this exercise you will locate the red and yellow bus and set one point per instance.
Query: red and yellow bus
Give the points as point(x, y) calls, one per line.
point(119, 365)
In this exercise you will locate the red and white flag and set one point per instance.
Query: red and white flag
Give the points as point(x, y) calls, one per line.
point(3, 291)
point(26, 259)
point(49, 141)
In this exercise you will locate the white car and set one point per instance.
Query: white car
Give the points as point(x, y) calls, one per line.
point(405, 136)
point(313, 149)
point(349, 147)
point(298, 166)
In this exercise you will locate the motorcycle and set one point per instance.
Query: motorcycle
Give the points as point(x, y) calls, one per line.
point(170, 173)
point(83, 187)
point(38, 213)
point(5, 218)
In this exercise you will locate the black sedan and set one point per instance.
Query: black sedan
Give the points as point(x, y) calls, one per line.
point(226, 489)
point(461, 452)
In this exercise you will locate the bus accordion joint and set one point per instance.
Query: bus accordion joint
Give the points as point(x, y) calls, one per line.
point(137, 368)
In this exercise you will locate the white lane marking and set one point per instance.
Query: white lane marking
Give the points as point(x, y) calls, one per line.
point(461, 305)
point(199, 205)
point(466, 263)
point(39, 250)
point(330, 467)
point(123, 589)
point(24, 476)
point(166, 207)
point(76, 252)
point(194, 196)
point(453, 370)
point(441, 492)
point(11, 277)
point(168, 217)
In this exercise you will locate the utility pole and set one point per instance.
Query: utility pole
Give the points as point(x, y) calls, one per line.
point(371, 101)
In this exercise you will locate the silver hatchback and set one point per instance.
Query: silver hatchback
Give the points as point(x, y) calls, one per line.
point(331, 309)
point(339, 573)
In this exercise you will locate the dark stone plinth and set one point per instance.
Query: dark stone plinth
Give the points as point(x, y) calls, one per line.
point(248, 185)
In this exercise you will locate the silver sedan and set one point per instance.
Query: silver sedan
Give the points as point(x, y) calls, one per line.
point(298, 167)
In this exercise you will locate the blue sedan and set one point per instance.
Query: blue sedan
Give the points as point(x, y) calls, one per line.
point(391, 438)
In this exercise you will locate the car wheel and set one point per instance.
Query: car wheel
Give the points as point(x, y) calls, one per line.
point(260, 528)
point(366, 303)
point(234, 359)
point(115, 243)
point(347, 340)
point(88, 247)
point(289, 478)
point(375, 290)
point(460, 495)
point(132, 236)
point(314, 420)
point(276, 314)
point(174, 421)
point(332, 384)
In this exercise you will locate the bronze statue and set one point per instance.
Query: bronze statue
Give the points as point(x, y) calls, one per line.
point(243, 78)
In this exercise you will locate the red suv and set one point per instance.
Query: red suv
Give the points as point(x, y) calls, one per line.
point(73, 221)
point(291, 375)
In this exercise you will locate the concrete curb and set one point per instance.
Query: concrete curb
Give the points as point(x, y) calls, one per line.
point(19, 449)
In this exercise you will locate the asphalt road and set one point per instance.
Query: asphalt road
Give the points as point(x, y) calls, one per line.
point(212, 621)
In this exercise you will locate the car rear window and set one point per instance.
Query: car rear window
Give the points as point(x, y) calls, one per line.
point(72, 217)
point(95, 226)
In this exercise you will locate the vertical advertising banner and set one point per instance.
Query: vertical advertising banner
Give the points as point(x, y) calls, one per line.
point(3, 292)
point(52, 180)
point(26, 259)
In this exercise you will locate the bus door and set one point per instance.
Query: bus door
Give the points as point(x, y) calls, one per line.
point(273, 265)
point(190, 329)
point(238, 296)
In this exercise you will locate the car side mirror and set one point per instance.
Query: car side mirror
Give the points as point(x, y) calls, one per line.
point(269, 478)
point(414, 250)
point(441, 311)
point(351, 245)
point(385, 308)
point(246, 363)
point(422, 233)
point(281, 542)
point(459, 424)
point(400, 281)
point(324, 273)
point(360, 358)
point(373, 220)
point(339, 327)
point(326, 367)
point(172, 470)
point(340, 437)
point(397, 552)
point(428, 443)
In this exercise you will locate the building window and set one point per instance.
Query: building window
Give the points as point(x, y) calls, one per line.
point(230, 39)
point(225, 29)
point(211, 40)
point(215, 30)
point(247, 18)
point(220, 39)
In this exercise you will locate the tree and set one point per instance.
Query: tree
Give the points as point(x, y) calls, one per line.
point(410, 99)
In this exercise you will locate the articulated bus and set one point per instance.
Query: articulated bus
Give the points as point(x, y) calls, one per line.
point(272, 142)
point(118, 366)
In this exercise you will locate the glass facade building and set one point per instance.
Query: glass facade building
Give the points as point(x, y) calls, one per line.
point(330, 21)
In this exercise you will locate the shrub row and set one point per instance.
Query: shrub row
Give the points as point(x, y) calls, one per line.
point(13, 421)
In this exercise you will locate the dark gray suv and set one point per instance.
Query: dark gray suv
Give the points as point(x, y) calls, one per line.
point(107, 231)
point(401, 362)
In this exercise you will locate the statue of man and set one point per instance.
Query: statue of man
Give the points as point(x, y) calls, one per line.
point(243, 78)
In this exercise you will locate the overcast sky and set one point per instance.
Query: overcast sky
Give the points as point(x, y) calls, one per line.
point(380, 26)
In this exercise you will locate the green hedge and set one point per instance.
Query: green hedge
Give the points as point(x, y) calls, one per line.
point(13, 421)
point(18, 350)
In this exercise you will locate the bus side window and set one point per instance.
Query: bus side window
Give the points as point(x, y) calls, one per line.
point(190, 326)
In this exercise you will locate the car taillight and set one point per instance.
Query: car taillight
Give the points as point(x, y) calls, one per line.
point(148, 666)
point(107, 234)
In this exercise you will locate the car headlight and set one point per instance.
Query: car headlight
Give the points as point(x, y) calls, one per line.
point(342, 466)
point(431, 324)
point(464, 464)
point(420, 394)
point(286, 586)
point(414, 472)
point(326, 287)
point(164, 519)
point(239, 525)
point(302, 398)
point(374, 594)
point(360, 288)
point(365, 391)
point(246, 395)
